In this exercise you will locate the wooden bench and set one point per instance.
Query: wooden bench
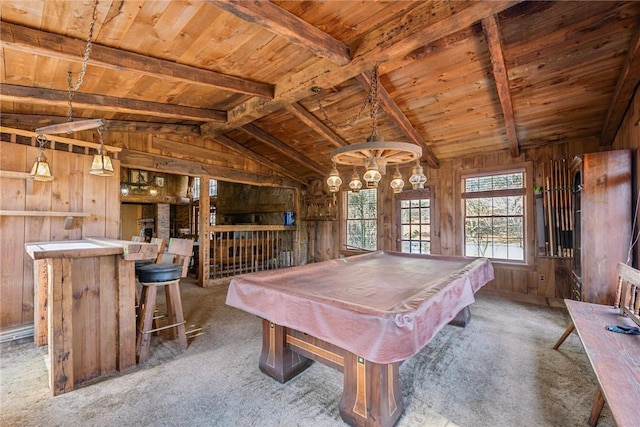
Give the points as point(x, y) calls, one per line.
point(614, 357)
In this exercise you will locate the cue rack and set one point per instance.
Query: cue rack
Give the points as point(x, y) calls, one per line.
point(557, 209)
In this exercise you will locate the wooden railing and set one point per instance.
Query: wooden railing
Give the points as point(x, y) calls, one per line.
point(242, 249)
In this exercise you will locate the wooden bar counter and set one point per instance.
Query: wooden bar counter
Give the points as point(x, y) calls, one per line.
point(85, 306)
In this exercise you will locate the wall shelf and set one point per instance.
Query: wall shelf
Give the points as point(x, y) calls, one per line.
point(321, 208)
point(44, 213)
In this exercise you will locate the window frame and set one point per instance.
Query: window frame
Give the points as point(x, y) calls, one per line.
point(529, 213)
point(426, 193)
point(344, 218)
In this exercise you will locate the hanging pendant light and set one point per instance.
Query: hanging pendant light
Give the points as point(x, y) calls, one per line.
point(355, 184)
point(372, 176)
point(397, 183)
point(375, 153)
point(334, 181)
point(418, 178)
point(41, 170)
point(101, 165)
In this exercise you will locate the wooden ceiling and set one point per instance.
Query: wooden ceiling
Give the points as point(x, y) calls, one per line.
point(457, 78)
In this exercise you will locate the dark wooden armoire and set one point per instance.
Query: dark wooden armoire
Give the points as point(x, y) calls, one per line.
point(602, 223)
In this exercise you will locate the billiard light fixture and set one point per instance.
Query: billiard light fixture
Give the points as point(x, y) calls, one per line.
point(375, 153)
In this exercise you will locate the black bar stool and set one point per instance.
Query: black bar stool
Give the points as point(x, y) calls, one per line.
point(151, 277)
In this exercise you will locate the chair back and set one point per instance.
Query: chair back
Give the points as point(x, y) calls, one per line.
point(137, 239)
point(162, 244)
point(180, 251)
point(628, 293)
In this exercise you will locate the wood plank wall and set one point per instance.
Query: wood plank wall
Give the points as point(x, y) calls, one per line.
point(628, 137)
point(516, 282)
point(72, 190)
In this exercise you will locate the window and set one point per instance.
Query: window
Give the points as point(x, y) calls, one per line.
point(362, 220)
point(494, 215)
point(213, 188)
point(415, 223)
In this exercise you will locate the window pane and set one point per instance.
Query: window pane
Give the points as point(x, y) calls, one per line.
point(500, 205)
point(425, 215)
point(406, 232)
point(415, 216)
point(516, 205)
point(471, 206)
point(415, 230)
point(362, 216)
point(405, 216)
point(494, 225)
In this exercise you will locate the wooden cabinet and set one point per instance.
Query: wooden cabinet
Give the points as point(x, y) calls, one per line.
point(602, 223)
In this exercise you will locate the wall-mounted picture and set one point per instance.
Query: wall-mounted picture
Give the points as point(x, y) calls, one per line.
point(137, 175)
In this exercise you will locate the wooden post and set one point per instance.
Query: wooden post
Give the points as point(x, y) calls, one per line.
point(205, 230)
point(41, 294)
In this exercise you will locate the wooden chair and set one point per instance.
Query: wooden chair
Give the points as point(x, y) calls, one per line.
point(628, 292)
point(169, 269)
point(162, 245)
point(179, 251)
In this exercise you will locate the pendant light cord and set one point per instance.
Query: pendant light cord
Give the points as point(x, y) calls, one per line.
point(372, 99)
point(85, 61)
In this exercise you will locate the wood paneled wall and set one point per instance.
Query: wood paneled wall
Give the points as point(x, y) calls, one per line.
point(628, 137)
point(72, 190)
point(520, 282)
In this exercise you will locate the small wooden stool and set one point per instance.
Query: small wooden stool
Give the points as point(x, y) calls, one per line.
point(151, 277)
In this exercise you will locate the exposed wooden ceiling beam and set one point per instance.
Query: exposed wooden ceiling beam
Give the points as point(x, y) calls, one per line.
point(492, 35)
point(153, 162)
point(60, 98)
point(627, 84)
point(398, 117)
point(283, 148)
point(394, 41)
point(28, 40)
point(315, 124)
point(33, 121)
point(258, 158)
point(195, 153)
point(285, 24)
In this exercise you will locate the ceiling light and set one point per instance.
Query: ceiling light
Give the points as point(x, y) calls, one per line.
point(374, 154)
point(76, 126)
point(41, 170)
point(397, 183)
point(355, 184)
point(418, 178)
point(373, 175)
point(334, 181)
point(101, 165)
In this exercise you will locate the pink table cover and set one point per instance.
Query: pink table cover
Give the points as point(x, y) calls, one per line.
point(383, 306)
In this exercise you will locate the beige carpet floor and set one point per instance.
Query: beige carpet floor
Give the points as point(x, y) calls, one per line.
point(498, 371)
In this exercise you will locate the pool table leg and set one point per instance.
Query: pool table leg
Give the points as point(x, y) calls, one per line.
point(276, 360)
point(462, 318)
point(371, 395)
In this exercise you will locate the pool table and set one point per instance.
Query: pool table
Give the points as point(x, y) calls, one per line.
point(362, 315)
